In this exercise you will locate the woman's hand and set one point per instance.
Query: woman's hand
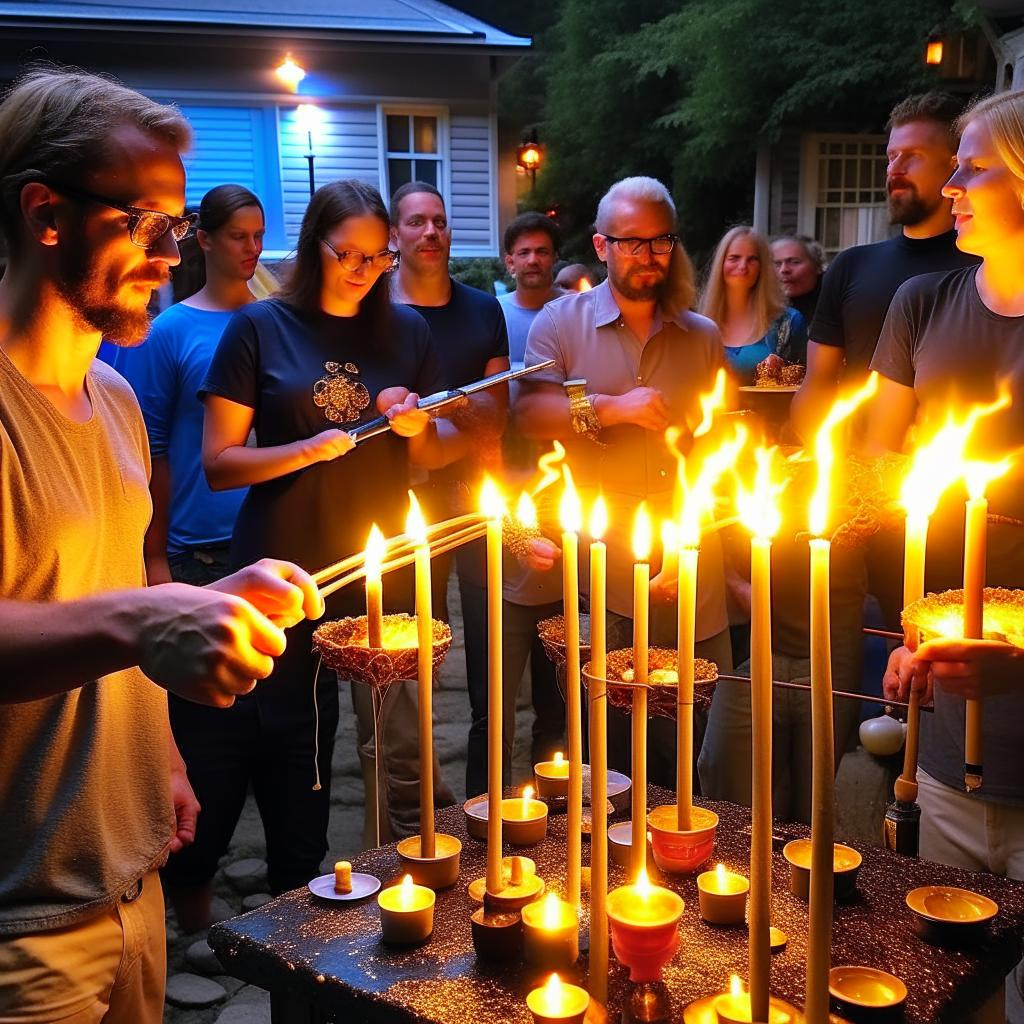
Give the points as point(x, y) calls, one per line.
point(541, 555)
point(973, 669)
point(329, 445)
point(406, 419)
point(905, 672)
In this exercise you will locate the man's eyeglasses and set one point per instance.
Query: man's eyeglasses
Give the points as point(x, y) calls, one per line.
point(662, 245)
point(352, 259)
point(145, 227)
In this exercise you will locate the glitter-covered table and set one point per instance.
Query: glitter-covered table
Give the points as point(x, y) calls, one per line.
point(324, 960)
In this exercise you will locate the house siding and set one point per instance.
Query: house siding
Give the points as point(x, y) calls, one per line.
point(472, 202)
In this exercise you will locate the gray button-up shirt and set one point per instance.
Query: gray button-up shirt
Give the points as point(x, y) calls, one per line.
point(585, 335)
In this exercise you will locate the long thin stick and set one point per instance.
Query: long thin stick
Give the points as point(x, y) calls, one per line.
point(887, 633)
point(866, 698)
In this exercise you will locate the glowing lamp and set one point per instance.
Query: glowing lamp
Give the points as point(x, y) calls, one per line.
point(290, 72)
point(933, 51)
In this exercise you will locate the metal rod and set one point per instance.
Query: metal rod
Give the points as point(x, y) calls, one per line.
point(863, 697)
point(887, 633)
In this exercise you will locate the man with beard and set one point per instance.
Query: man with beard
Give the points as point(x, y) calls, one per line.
point(91, 785)
point(860, 282)
point(631, 359)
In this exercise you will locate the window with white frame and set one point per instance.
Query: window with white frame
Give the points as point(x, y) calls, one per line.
point(412, 141)
point(843, 195)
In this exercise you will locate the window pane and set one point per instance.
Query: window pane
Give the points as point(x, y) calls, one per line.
point(425, 134)
point(399, 173)
point(398, 133)
point(426, 170)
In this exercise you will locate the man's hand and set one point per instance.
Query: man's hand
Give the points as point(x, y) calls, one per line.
point(664, 587)
point(973, 669)
point(406, 419)
point(283, 592)
point(643, 407)
point(541, 555)
point(905, 672)
point(186, 811)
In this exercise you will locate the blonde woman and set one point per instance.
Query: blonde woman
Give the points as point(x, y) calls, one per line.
point(743, 296)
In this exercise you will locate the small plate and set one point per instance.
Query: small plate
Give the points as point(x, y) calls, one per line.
point(866, 987)
point(947, 905)
point(362, 886)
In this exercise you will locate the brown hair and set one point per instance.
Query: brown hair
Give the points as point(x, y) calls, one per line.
point(54, 123)
point(766, 295)
point(938, 107)
point(410, 188)
point(331, 204)
point(526, 224)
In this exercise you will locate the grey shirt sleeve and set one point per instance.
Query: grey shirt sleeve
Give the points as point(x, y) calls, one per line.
point(894, 354)
point(542, 344)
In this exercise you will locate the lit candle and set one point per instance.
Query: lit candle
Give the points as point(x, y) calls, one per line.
point(493, 508)
point(551, 933)
point(558, 1003)
point(552, 777)
point(685, 640)
point(819, 945)
point(645, 926)
point(406, 912)
point(722, 896)
point(571, 516)
point(375, 548)
point(342, 877)
point(641, 608)
point(759, 513)
point(734, 1007)
point(598, 753)
point(416, 528)
point(978, 476)
point(524, 820)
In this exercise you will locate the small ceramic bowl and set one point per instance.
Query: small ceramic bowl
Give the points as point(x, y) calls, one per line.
point(866, 994)
point(946, 916)
point(846, 863)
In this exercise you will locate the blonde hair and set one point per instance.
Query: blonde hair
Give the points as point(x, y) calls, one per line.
point(765, 297)
point(1003, 114)
point(54, 123)
point(681, 284)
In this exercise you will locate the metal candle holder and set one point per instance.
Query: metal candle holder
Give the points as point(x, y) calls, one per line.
point(942, 615)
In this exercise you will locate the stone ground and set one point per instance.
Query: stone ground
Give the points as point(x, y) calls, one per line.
point(197, 991)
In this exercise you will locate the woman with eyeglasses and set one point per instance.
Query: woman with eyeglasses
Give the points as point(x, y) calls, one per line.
point(300, 370)
point(742, 295)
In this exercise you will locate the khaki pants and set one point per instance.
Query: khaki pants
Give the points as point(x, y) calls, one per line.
point(110, 969)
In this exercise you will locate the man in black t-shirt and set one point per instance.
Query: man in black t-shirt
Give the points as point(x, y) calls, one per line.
point(860, 282)
point(471, 340)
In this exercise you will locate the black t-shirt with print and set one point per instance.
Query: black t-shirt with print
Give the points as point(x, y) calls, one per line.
point(302, 373)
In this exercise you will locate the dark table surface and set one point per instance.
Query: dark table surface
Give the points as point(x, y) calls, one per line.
point(326, 959)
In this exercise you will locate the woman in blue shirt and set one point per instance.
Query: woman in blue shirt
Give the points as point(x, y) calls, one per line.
point(742, 295)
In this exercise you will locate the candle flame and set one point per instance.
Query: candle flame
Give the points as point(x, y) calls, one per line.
point(759, 508)
point(553, 990)
point(698, 495)
point(643, 884)
point(373, 556)
point(825, 451)
point(712, 402)
point(415, 524)
point(720, 876)
point(551, 916)
point(735, 985)
point(405, 892)
point(669, 536)
point(570, 509)
point(526, 511)
point(547, 467)
point(598, 518)
point(559, 758)
point(642, 533)
point(978, 475)
point(527, 793)
point(492, 504)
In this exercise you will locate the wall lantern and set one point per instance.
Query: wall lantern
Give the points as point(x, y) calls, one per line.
point(933, 50)
point(529, 156)
point(290, 73)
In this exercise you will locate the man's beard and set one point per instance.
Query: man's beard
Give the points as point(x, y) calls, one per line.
point(908, 209)
point(93, 301)
point(641, 292)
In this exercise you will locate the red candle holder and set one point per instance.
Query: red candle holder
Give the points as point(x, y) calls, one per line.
point(645, 927)
point(681, 852)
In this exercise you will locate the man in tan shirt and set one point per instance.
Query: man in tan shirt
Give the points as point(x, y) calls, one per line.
point(91, 197)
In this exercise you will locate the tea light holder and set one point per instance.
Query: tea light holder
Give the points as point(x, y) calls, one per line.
point(551, 933)
point(846, 863)
point(866, 994)
point(438, 872)
point(406, 913)
point(558, 1003)
point(475, 810)
point(644, 922)
point(520, 885)
point(681, 852)
point(524, 820)
point(947, 916)
point(552, 778)
point(620, 842)
point(497, 936)
point(733, 1007)
point(722, 896)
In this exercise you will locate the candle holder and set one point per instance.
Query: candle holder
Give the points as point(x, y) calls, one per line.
point(524, 820)
point(662, 681)
point(618, 789)
point(497, 936)
point(722, 896)
point(343, 645)
point(520, 885)
point(552, 778)
point(729, 1007)
point(551, 933)
point(942, 615)
point(475, 811)
point(947, 916)
point(681, 851)
point(620, 843)
point(406, 913)
point(644, 922)
point(846, 863)
point(866, 994)
point(438, 872)
point(558, 1003)
point(552, 638)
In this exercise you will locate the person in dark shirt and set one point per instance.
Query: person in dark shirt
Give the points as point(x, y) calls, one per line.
point(302, 369)
point(469, 331)
point(860, 282)
point(799, 263)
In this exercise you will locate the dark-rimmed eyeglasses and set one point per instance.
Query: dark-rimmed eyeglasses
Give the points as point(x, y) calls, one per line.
point(661, 245)
point(145, 227)
point(352, 259)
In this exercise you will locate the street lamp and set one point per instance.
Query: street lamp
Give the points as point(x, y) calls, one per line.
point(308, 117)
point(529, 157)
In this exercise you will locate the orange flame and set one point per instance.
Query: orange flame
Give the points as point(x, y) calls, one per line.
point(492, 504)
point(698, 496)
point(570, 509)
point(526, 511)
point(642, 539)
point(373, 557)
point(415, 524)
point(758, 509)
point(598, 518)
point(547, 465)
point(712, 402)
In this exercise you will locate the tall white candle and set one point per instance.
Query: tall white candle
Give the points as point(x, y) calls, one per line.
point(641, 643)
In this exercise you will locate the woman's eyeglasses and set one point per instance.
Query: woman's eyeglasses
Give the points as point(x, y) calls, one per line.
point(145, 227)
point(352, 259)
